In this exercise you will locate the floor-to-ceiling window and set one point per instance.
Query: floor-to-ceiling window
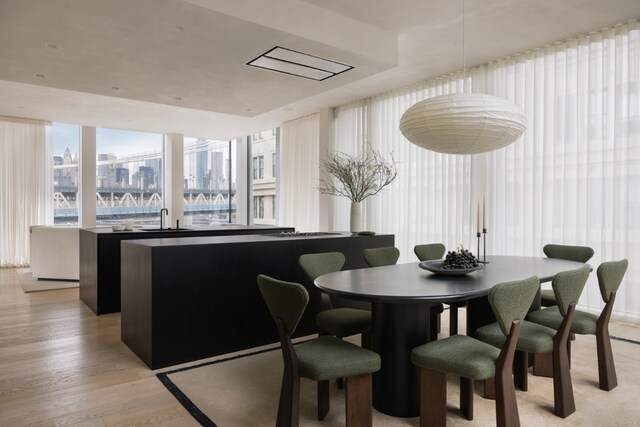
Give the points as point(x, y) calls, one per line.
point(209, 181)
point(570, 179)
point(263, 172)
point(128, 177)
point(66, 146)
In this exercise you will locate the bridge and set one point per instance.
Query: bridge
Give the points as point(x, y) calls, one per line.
point(129, 203)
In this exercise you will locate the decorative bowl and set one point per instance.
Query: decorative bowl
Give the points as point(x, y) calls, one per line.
point(436, 267)
point(117, 227)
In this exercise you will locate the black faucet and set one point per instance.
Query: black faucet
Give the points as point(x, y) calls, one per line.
point(163, 210)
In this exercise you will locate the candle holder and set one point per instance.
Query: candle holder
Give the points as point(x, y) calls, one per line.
point(484, 244)
point(478, 235)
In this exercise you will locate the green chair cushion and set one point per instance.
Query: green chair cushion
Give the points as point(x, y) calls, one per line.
point(329, 357)
point(429, 251)
point(460, 355)
point(285, 300)
point(315, 265)
point(511, 300)
point(610, 276)
point(344, 322)
point(547, 297)
point(583, 323)
point(571, 253)
point(533, 338)
point(568, 286)
point(379, 257)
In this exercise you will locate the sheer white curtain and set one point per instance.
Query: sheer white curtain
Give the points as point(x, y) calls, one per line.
point(573, 178)
point(26, 185)
point(299, 173)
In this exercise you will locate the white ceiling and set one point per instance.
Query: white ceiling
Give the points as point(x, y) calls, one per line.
point(179, 65)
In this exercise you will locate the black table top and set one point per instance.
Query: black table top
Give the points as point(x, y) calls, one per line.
point(409, 283)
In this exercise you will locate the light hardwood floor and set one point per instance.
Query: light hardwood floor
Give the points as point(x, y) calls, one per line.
point(61, 365)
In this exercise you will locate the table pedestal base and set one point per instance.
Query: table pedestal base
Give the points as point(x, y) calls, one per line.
point(397, 329)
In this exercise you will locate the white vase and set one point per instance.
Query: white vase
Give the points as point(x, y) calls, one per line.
point(356, 217)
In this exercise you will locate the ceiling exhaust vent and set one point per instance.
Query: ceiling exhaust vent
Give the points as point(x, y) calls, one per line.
point(299, 64)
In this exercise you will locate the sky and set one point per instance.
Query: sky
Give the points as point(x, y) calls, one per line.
point(120, 142)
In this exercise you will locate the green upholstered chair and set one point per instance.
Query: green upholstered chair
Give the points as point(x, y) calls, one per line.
point(610, 275)
point(341, 322)
point(472, 360)
point(320, 359)
point(539, 339)
point(434, 251)
point(571, 253)
point(380, 257)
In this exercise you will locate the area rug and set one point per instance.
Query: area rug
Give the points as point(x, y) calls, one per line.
point(243, 390)
point(29, 284)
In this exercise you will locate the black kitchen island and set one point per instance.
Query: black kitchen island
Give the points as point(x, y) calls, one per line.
point(100, 257)
point(189, 298)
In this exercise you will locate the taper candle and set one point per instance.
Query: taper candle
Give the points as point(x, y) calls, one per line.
point(484, 212)
point(478, 217)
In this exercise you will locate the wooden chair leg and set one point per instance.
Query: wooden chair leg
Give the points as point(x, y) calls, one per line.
point(563, 400)
point(521, 370)
point(506, 404)
point(433, 398)
point(606, 367)
point(543, 365)
point(323, 399)
point(466, 397)
point(439, 323)
point(366, 340)
point(434, 327)
point(453, 320)
point(289, 405)
point(490, 389)
point(340, 383)
point(358, 401)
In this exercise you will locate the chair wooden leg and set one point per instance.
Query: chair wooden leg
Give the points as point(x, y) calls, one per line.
point(490, 389)
point(506, 404)
point(563, 400)
point(606, 367)
point(543, 365)
point(433, 398)
point(434, 327)
point(323, 399)
point(453, 320)
point(521, 370)
point(466, 397)
point(340, 383)
point(366, 340)
point(358, 401)
point(439, 323)
point(289, 405)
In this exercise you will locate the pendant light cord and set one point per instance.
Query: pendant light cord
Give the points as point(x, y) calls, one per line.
point(464, 64)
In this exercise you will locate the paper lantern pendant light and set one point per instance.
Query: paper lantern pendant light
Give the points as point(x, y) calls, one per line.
point(463, 123)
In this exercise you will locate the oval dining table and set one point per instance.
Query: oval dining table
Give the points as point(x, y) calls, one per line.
point(400, 297)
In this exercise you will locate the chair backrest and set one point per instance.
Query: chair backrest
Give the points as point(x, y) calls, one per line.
point(571, 253)
point(379, 257)
point(315, 265)
point(285, 300)
point(610, 275)
point(568, 286)
point(510, 301)
point(429, 251)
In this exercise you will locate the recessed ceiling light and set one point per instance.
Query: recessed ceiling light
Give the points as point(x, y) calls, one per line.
point(51, 46)
point(179, 28)
point(40, 76)
point(299, 64)
point(115, 88)
point(247, 109)
point(177, 98)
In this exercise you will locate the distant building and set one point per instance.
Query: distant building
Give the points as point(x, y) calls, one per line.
point(122, 177)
